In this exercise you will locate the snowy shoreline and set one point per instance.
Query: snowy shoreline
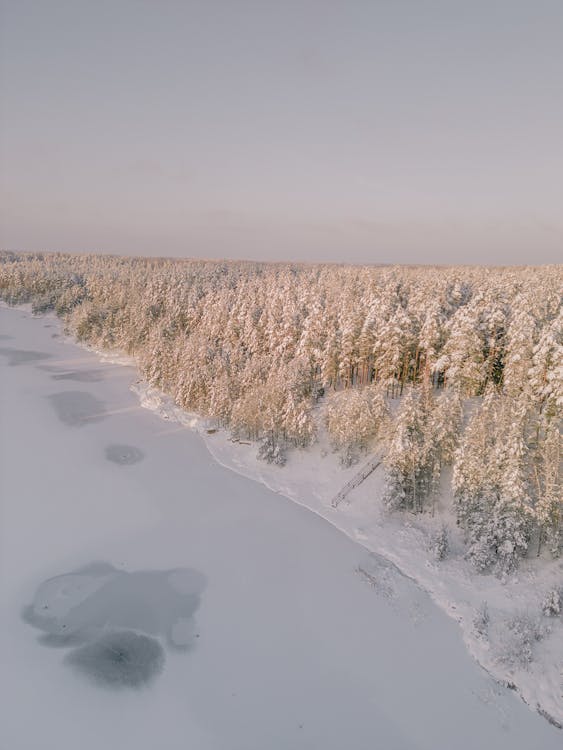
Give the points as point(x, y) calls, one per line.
point(452, 584)
point(312, 477)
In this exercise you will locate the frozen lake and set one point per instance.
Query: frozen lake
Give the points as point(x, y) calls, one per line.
point(153, 599)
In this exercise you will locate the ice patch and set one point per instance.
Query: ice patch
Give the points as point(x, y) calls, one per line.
point(119, 660)
point(82, 376)
point(18, 357)
point(124, 455)
point(101, 610)
point(77, 408)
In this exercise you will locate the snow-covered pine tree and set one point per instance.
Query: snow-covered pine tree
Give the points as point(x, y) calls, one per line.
point(490, 485)
point(353, 419)
point(548, 506)
point(408, 462)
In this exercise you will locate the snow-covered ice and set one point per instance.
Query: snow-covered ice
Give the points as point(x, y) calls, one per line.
point(301, 638)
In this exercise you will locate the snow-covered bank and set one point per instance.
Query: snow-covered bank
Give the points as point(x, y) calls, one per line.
point(313, 477)
point(306, 640)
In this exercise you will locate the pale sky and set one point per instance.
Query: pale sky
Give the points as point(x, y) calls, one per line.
point(376, 131)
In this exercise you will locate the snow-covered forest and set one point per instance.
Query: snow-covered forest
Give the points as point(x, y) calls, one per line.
point(439, 367)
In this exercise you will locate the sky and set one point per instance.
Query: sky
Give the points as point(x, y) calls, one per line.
point(376, 131)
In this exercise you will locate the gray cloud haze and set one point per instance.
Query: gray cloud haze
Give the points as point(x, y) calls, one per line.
point(411, 131)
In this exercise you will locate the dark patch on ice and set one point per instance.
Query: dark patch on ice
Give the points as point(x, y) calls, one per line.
point(77, 408)
point(88, 601)
point(120, 659)
point(62, 639)
point(87, 608)
point(380, 579)
point(5, 337)
point(22, 356)
point(82, 376)
point(124, 455)
point(96, 568)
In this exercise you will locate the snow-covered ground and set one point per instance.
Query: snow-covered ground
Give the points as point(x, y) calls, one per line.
point(300, 637)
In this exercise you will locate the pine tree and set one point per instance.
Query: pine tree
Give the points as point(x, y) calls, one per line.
point(492, 499)
point(549, 499)
point(408, 461)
